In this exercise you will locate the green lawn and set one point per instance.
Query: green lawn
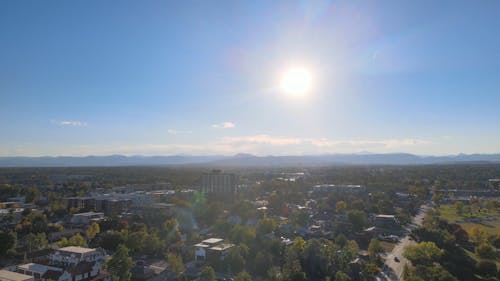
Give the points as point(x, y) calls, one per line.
point(449, 213)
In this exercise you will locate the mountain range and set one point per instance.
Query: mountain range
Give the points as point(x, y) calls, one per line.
point(248, 160)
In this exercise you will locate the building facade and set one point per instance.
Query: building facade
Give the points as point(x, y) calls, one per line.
point(217, 182)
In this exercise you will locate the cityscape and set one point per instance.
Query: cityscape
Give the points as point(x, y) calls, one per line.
point(249, 140)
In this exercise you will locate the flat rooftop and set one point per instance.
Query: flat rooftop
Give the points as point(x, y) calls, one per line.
point(222, 247)
point(38, 267)
point(385, 216)
point(6, 275)
point(212, 241)
point(88, 214)
point(76, 249)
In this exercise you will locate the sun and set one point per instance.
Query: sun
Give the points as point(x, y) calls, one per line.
point(296, 81)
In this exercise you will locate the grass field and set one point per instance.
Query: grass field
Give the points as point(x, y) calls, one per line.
point(449, 213)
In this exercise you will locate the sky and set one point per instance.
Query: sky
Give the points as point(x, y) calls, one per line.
point(150, 77)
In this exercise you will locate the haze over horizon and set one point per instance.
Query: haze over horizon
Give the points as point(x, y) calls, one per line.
point(261, 77)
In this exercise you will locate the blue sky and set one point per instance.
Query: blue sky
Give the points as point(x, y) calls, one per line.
point(201, 77)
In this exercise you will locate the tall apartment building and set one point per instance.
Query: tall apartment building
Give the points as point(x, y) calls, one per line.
point(218, 182)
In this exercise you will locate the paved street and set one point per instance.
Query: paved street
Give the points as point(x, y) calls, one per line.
point(393, 270)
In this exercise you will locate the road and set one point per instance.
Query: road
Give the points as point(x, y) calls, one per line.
point(393, 270)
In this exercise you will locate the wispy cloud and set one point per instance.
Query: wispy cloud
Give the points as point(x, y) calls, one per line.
point(321, 142)
point(224, 125)
point(178, 132)
point(69, 123)
point(261, 144)
point(273, 145)
point(262, 139)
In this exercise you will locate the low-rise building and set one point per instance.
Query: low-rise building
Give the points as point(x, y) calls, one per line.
point(211, 249)
point(87, 218)
point(73, 255)
point(386, 221)
point(350, 188)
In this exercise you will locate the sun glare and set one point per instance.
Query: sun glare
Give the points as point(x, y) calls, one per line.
point(296, 81)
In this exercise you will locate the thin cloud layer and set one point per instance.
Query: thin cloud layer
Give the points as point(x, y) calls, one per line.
point(260, 145)
point(70, 123)
point(178, 132)
point(224, 125)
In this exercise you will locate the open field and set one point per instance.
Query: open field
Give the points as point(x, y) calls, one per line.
point(449, 213)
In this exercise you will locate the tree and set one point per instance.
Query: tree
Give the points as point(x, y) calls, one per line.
point(265, 226)
point(341, 240)
point(208, 272)
point(478, 234)
point(242, 234)
point(92, 230)
point(485, 251)
point(235, 260)
point(112, 239)
point(341, 276)
point(459, 208)
point(492, 205)
point(153, 245)
point(486, 268)
point(175, 263)
point(7, 242)
point(120, 264)
point(374, 248)
point(38, 222)
point(243, 276)
point(262, 262)
point(340, 207)
point(135, 241)
point(357, 218)
point(437, 197)
point(36, 241)
point(292, 270)
point(170, 230)
point(212, 211)
point(77, 240)
point(424, 253)
point(370, 270)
